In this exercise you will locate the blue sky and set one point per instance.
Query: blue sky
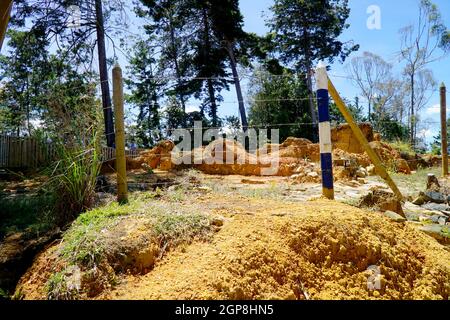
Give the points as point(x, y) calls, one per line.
point(384, 42)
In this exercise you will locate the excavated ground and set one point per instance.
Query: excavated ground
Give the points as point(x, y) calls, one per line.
point(317, 250)
point(271, 249)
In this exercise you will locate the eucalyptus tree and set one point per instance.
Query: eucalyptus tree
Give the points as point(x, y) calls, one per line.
point(422, 43)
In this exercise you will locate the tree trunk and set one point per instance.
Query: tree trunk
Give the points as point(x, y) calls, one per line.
point(412, 115)
point(237, 84)
point(212, 100)
point(177, 70)
point(103, 68)
point(211, 91)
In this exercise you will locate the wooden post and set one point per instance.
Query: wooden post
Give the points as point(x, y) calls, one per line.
point(326, 150)
point(121, 164)
point(444, 136)
point(380, 169)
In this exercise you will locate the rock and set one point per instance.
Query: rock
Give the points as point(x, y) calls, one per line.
point(402, 166)
point(204, 189)
point(433, 182)
point(362, 181)
point(371, 171)
point(377, 137)
point(424, 219)
point(394, 216)
point(420, 200)
point(436, 207)
point(383, 200)
point(438, 232)
point(392, 205)
point(343, 137)
point(361, 173)
point(435, 197)
point(443, 221)
point(313, 175)
point(436, 218)
point(353, 183)
point(166, 163)
point(411, 216)
point(218, 222)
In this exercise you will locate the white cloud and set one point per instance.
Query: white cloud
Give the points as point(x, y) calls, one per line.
point(435, 109)
point(190, 109)
point(426, 133)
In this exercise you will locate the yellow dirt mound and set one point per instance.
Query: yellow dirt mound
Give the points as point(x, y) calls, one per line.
point(317, 250)
point(228, 157)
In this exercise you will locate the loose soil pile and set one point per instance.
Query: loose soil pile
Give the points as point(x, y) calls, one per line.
point(280, 250)
point(292, 157)
point(321, 250)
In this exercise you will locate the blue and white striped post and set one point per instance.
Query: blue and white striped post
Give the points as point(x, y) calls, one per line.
point(326, 159)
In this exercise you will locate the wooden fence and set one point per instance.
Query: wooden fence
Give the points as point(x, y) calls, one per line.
point(18, 152)
point(29, 153)
point(109, 154)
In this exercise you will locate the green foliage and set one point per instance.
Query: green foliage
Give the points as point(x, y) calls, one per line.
point(389, 128)
point(44, 87)
point(145, 93)
point(436, 145)
point(404, 147)
point(31, 213)
point(354, 108)
point(89, 243)
point(278, 101)
point(305, 31)
point(80, 244)
point(59, 288)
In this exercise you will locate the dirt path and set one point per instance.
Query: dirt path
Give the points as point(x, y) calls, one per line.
point(270, 249)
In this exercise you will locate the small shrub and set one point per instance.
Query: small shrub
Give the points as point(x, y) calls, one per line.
point(403, 147)
point(64, 285)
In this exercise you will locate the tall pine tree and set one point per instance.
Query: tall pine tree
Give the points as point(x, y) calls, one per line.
point(307, 31)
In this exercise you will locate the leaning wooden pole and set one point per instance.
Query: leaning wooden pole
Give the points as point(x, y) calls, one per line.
point(379, 166)
point(5, 11)
point(444, 142)
point(121, 164)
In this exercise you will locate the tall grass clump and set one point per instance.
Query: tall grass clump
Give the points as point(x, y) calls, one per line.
point(74, 176)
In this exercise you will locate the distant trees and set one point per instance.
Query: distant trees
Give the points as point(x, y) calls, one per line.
point(76, 37)
point(145, 86)
point(275, 103)
point(373, 76)
point(420, 44)
point(394, 104)
point(192, 50)
point(39, 87)
point(202, 41)
point(436, 145)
